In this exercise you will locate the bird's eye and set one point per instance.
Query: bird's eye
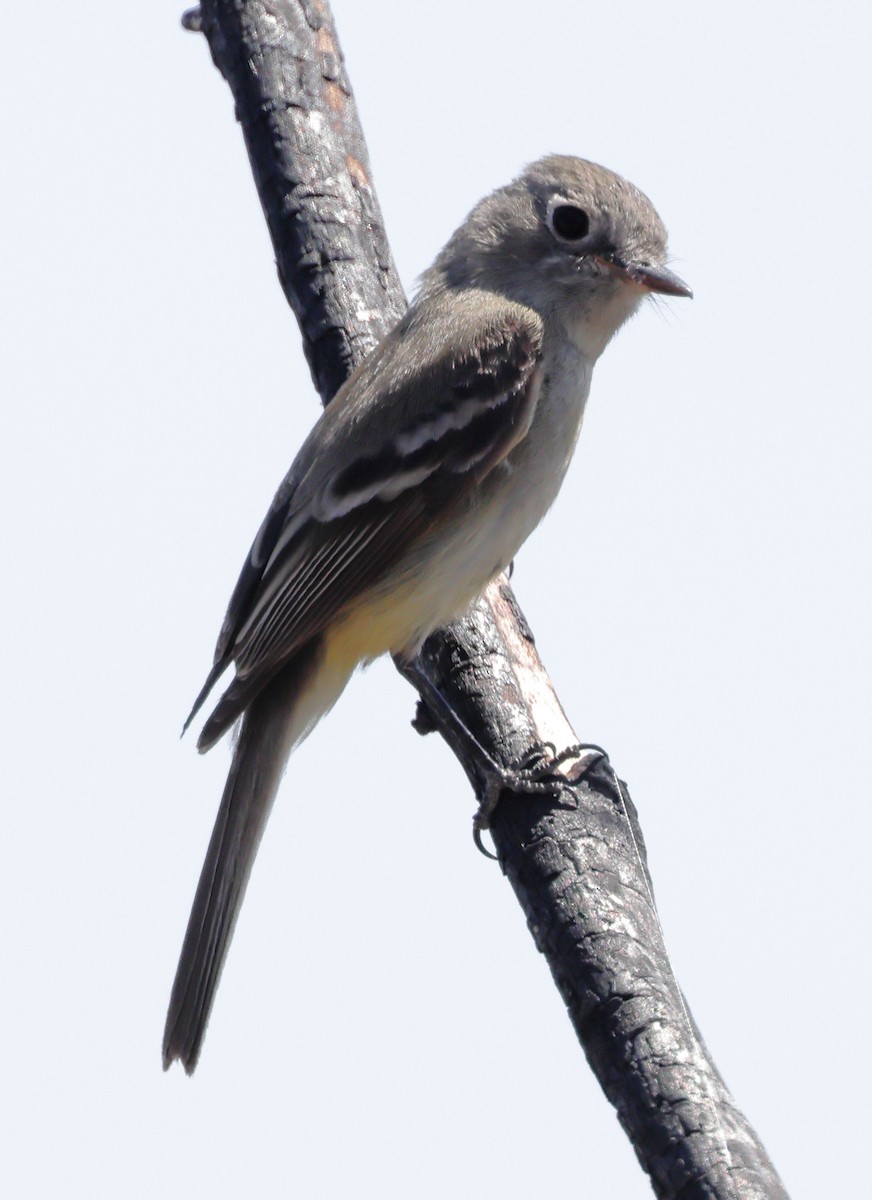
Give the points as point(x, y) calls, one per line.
point(570, 223)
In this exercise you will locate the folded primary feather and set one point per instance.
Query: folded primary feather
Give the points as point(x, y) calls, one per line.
point(342, 519)
point(338, 535)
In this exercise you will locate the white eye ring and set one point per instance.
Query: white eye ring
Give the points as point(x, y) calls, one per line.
point(566, 220)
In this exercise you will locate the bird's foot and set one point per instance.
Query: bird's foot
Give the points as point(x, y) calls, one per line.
point(536, 774)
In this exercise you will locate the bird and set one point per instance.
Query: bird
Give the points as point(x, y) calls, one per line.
point(417, 485)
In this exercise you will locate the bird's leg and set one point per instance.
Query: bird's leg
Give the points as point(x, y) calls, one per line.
point(535, 774)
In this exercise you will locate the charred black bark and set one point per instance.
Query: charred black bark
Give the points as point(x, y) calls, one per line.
point(575, 856)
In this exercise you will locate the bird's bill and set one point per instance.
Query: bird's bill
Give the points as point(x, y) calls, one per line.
point(659, 279)
point(654, 279)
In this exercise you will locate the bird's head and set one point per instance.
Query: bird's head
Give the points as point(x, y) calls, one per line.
point(568, 238)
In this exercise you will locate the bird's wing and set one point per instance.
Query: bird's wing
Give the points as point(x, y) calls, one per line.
point(345, 515)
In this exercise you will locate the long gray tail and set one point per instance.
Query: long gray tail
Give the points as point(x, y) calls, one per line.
point(270, 729)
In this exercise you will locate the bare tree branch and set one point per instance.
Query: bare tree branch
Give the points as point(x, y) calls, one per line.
point(575, 856)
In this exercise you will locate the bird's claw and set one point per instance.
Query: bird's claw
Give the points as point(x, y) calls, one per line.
point(536, 774)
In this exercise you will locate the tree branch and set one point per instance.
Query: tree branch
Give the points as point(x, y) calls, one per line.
point(575, 857)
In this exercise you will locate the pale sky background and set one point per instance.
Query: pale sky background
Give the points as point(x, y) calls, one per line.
point(707, 621)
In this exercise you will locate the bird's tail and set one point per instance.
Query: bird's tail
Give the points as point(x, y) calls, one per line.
point(277, 720)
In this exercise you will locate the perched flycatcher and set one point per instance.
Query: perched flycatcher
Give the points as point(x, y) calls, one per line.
point(417, 486)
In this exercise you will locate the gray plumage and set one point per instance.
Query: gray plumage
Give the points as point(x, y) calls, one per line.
point(417, 485)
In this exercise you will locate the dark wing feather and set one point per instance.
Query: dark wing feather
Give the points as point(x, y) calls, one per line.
point(328, 536)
